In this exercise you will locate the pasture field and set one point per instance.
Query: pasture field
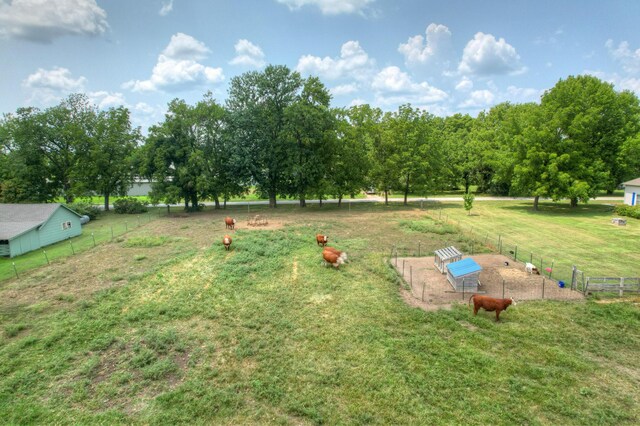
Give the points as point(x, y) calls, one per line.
point(582, 236)
point(161, 325)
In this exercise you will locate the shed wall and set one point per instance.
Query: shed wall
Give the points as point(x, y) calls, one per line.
point(24, 243)
point(629, 198)
point(53, 231)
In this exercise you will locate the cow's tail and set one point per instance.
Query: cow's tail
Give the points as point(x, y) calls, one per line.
point(469, 304)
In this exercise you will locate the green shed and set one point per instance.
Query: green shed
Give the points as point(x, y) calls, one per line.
point(27, 227)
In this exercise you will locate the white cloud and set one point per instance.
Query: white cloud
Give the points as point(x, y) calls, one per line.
point(357, 102)
point(330, 7)
point(630, 59)
point(620, 82)
point(478, 99)
point(353, 62)
point(464, 85)
point(344, 89)
point(393, 86)
point(178, 67)
point(435, 45)
point(104, 99)
point(484, 55)
point(166, 8)
point(43, 20)
point(248, 54)
point(183, 46)
point(523, 94)
point(57, 79)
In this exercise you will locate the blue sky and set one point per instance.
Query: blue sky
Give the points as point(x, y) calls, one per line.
point(442, 56)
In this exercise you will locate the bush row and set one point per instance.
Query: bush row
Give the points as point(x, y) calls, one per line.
point(629, 211)
point(84, 208)
point(129, 206)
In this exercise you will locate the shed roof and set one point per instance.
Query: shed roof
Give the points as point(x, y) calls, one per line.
point(16, 219)
point(448, 253)
point(634, 182)
point(463, 267)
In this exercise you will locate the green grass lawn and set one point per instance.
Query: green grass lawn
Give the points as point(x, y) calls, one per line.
point(161, 325)
point(582, 236)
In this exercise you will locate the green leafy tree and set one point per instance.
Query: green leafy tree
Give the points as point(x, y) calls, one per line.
point(468, 198)
point(223, 176)
point(460, 155)
point(310, 125)
point(109, 164)
point(385, 173)
point(588, 123)
point(357, 129)
point(257, 106)
point(50, 149)
point(174, 158)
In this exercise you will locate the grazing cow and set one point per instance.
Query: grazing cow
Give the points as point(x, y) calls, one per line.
point(490, 304)
point(229, 222)
point(322, 240)
point(226, 241)
point(531, 268)
point(334, 256)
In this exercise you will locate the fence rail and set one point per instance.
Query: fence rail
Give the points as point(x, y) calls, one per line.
point(618, 285)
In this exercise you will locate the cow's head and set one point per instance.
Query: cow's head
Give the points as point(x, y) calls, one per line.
point(512, 301)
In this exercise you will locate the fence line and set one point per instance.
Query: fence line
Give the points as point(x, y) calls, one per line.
point(72, 246)
point(612, 285)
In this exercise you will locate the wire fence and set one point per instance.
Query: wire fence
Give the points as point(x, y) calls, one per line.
point(91, 237)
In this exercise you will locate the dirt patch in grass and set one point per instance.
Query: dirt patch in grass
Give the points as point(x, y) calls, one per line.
point(429, 288)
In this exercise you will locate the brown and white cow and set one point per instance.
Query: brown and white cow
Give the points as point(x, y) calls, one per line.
point(226, 241)
point(230, 222)
point(490, 304)
point(322, 240)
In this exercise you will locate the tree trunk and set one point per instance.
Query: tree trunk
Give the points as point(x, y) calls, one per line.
point(320, 201)
point(339, 201)
point(272, 200)
point(194, 201)
point(186, 203)
point(168, 209)
point(406, 190)
point(535, 202)
point(303, 202)
point(574, 202)
point(216, 201)
point(386, 197)
point(106, 202)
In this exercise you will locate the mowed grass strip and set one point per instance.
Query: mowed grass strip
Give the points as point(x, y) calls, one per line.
point(266, 334)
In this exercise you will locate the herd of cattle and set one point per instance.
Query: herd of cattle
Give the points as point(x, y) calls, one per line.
point(335, 257)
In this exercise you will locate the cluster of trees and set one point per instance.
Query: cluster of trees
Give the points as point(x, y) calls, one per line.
point(68, 150)
point(278, 134)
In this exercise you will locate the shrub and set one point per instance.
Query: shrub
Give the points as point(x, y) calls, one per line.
point(129, 206)
point(629, 211)
point(85, 208)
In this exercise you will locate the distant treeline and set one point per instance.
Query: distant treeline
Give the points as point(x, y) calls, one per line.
point(277, 133)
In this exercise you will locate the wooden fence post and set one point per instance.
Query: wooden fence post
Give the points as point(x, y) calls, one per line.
point(621, 291)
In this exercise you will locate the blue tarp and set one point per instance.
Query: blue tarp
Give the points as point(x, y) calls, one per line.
point(463, 267)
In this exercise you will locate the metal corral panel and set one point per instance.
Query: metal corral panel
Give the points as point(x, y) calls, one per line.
point(463, 267)
point(445, 256)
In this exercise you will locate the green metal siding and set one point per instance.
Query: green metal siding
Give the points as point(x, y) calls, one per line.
point(25, 243)
point(4, 250)
point(52, 231)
